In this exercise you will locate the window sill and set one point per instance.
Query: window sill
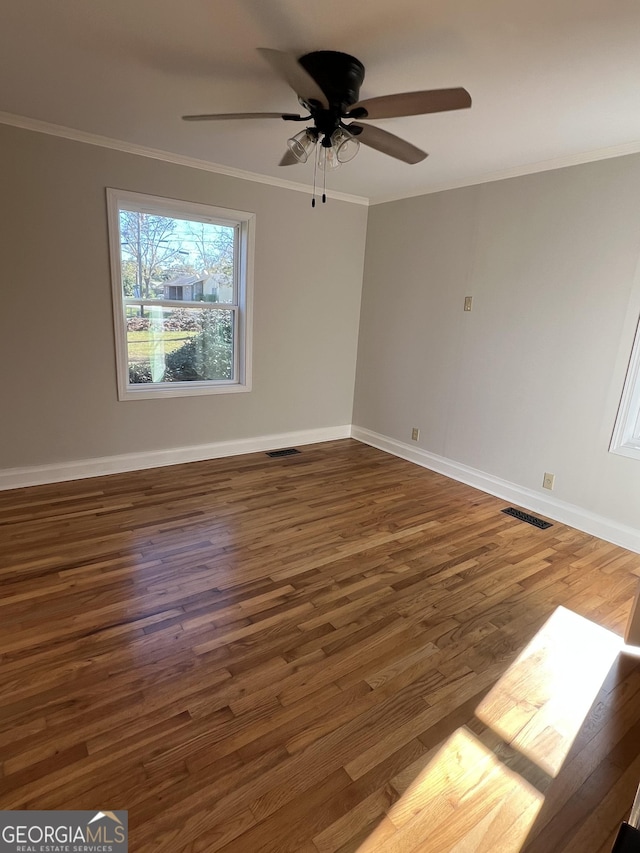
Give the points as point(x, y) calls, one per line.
point(191, 389)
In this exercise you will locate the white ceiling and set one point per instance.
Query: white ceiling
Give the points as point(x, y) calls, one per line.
point(552, 81)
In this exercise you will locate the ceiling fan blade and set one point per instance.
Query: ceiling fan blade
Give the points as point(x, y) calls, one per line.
point(387, 143)
point(225, 116)
point(288, 159)
point(415, 103)
point(288, 67)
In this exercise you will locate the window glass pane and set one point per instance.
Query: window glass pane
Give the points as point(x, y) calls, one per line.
point(179, 345)
point(182, 289)
point(164, 257)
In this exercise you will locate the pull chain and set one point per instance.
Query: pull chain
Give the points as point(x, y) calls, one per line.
point(324, 179)
point(315, 171)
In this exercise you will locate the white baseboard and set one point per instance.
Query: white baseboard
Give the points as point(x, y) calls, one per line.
point(16, 478)
point(574, 516)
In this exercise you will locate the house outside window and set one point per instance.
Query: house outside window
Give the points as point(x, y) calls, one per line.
point(626, 435)
point(182, 289)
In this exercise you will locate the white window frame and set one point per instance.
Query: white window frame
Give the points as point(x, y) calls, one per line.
point(626, 434)
point(242, 308)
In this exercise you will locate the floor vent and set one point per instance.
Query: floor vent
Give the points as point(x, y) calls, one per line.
point(525, 516)
point(276, 454)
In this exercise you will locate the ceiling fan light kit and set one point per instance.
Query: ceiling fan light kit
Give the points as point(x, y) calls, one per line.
point(302, 144)
point(327, 84)
point(346, 145)
point(342, 147)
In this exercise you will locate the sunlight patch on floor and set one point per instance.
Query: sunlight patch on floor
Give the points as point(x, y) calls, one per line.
point(465, 799)
point(469, 796)
point(540, 703)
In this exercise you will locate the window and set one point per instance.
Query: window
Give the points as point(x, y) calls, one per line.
point(182, 286)
point(626, 435)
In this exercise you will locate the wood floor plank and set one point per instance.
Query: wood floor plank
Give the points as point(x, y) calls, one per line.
point(322, 653)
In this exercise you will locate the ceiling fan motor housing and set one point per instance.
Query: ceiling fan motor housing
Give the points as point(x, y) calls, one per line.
point(339, 75)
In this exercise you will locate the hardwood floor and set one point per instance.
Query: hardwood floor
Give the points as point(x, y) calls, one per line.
point(336, 651)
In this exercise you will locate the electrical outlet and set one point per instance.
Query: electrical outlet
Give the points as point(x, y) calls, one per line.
point(468, 300)
point(548, 481)
point(415, 434)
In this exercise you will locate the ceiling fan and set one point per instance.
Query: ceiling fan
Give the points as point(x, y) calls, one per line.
point(327, 84)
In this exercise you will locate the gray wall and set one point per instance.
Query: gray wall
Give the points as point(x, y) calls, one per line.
point(530, 380)
point(59, 398)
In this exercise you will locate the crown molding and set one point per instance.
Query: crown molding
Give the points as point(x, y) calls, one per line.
point(519, 171)
point(46, 127)
point(578, 159)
